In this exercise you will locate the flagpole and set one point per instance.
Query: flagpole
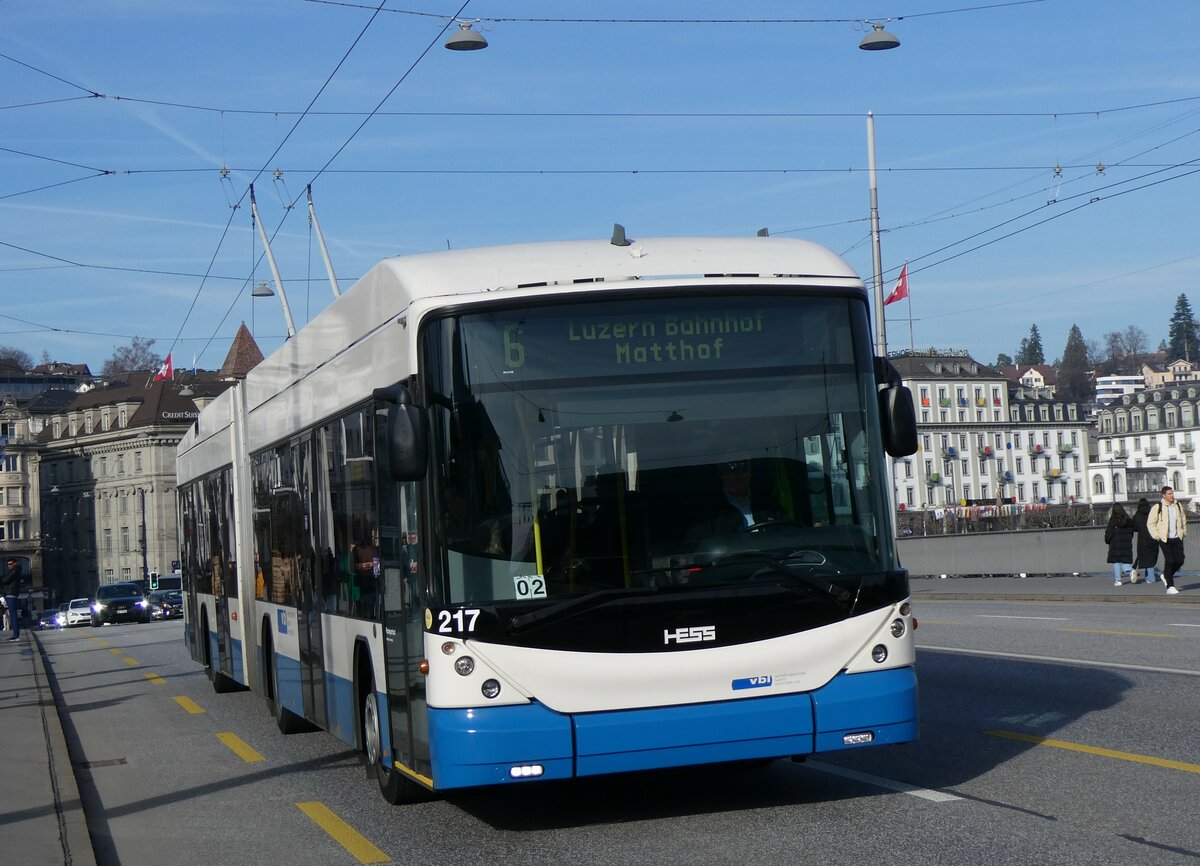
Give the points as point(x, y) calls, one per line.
point(912, 349)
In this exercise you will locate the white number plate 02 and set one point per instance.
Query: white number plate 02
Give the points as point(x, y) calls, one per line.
point(529, 586)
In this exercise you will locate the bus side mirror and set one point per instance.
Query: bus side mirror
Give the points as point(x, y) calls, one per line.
point(897, 414)
point(407, 434)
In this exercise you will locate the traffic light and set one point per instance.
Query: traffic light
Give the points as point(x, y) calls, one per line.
point(154, 580)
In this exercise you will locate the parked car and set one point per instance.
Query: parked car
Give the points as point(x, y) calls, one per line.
point(166, 604)
point(79, 612)
point(119, 602)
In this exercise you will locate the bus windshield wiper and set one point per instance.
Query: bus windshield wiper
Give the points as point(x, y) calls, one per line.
point(780, 566)
point(572, 605)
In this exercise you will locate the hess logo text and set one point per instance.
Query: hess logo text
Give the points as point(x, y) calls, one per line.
point(690, 634)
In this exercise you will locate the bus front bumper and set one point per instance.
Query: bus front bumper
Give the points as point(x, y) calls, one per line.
point(497, 745)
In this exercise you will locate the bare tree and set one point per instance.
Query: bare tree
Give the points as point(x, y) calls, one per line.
point(1136, 341)
point(136, 356)
point(14, 357)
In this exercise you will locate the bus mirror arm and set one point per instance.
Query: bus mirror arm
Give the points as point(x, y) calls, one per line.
point(897, 414)
point(407, 434)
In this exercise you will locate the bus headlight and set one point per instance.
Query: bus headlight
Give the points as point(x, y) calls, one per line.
point(464, 666)
point(490, 688)
point(897, 627)
point(879, 653)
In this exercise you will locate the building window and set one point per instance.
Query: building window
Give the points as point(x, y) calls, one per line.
point(908, 494)
point(123, 502)
point(109, 575)
point(1058, 415)
point(1021, 492)
point(1020, 464)
point(137, 461)
point(108, 541)
point(102, 469)
point(983, 491)
point(1075, 463)
point(120, 464)
point(908, 469)
point(1037, 486)
point(1072, 412)
point(124, 539)
point(126, 574)
point(926, 443)
point(1098, 484)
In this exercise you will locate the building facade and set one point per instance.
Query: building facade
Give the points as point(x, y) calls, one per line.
point(1147, 440)
point(986, 440)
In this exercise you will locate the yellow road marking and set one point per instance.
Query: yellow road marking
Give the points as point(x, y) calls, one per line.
point(100, 642)
point(1096, 750)
point(188, 704)
point(1121, 633)
point(156, 679)
point(129, 661)
point(240, 748)
point(343, 833)
point(115, 652)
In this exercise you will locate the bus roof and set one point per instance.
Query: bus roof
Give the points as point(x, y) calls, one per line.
point(570, 262)
point(353, 345)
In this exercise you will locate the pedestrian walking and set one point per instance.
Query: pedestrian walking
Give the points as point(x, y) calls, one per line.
point(1167, 522)
point(10, 588)
point(1118, 535)
point(1146, 552)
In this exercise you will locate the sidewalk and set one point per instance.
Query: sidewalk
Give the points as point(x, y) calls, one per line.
point(1082, 587)
point(40, 810)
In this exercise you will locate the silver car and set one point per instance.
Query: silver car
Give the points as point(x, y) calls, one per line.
point(79, 611)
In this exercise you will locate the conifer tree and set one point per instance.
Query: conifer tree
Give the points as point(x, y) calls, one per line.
point(1182, 336)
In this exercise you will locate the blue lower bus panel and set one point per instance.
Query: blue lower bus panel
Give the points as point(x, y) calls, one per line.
point(492, 745)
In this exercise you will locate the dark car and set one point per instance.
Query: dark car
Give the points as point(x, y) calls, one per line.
point(166, 604)
point(119, 602)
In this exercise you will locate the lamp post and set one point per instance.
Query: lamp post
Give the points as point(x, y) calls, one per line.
point(145, 562)
point(876, 253)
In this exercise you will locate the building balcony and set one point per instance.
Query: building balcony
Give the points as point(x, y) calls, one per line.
point(1153, 453)
point(1187, 447)
point(1121, 455)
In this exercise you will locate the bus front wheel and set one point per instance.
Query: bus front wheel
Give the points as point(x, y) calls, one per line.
point(396, 788)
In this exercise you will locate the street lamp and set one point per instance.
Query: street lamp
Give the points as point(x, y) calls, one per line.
point(145, 562)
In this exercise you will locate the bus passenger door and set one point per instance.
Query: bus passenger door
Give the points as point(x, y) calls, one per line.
point(310, 602)
point(403, 631)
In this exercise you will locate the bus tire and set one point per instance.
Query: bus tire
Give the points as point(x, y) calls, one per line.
point(221, 683)
point(395, 787)
point(287, 721)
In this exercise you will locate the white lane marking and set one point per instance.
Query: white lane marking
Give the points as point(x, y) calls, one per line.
point(880, 782)
point(1087, 663)
point(1185, 624)
point(999, 616)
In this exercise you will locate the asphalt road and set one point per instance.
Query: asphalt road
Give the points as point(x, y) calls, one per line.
point(1051, 733)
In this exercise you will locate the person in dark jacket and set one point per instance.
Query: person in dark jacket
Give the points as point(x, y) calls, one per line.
point(1119, 537)
point(10, 588)
point(1147, 547)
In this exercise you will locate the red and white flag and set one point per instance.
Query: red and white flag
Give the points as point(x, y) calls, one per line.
point(900, 292)
point(166, 371)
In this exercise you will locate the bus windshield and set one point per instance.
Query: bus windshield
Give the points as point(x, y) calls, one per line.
point(638, 445)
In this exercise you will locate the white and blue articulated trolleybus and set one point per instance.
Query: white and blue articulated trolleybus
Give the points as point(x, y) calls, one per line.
point(562, 509)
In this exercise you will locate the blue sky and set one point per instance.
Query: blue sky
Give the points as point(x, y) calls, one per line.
point(113, 208)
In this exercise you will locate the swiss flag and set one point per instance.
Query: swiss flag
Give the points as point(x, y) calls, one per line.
point(898, 294)
point(166, 371)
